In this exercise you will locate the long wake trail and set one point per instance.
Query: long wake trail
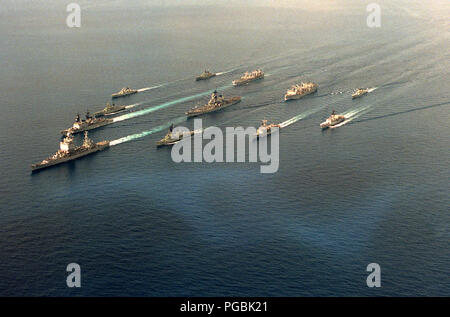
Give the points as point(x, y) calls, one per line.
point(162, 106)
point(300, 116)
point(142, 134)
point(352, 114)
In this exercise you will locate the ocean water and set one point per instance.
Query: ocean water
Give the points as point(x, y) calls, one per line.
point(375, 190)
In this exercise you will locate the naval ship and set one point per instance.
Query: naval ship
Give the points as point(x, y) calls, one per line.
point(205, 75)
point(109, 110)
point(171, 138)
point(68, 151)
point(88, 124)
point(248, 77)
point(332, 120)
point(216, 103)
point(297, 91)
point(124, 92)
point(265, 129)
point(360, 92)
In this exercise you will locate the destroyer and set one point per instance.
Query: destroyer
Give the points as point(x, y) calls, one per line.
point(360, 92)
point(171, 138)
point(88, 124)
point(332, 120)
point(205, 75)
point(265, 129)
point(297, 91)
point(248, 77)
point(69, 151)
point(109, 110)
point(124, 92)
point(216, 103)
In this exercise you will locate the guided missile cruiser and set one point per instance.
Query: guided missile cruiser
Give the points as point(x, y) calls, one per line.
point(216, 103)
point(68, 151)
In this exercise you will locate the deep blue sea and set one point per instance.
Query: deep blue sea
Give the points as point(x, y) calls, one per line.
point(375, 190)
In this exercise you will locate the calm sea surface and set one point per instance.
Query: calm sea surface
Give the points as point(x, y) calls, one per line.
point(374, 190)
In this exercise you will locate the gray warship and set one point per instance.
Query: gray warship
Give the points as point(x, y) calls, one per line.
point(124, 92)
point(88, 124)
point(109, 110)
point(68, 151)
point(248, 77)
point(215, 103)
point(205, 75)
point(299, 90)
point(171, 138)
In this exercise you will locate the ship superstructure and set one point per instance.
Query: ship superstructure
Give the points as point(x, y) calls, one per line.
point(215, 103)
point(248, 77)
point(299, 90)
point(69, 151)
point(88, 123)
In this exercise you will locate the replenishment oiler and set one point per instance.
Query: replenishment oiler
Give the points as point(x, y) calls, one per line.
point(360, 92)
point(332, 120)
point(68, 151)
point(88, 124)
point(248, 77)
point(216, 103)
point(124, 92)
point(109, 110)
point(205, 75)
point(297, 91)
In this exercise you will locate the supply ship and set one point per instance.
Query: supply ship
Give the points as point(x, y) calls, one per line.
point(205, 75)
point(68, 151)
point(126, 91)
point(248, 77)
point(299, 90)
point(88, 124)
point(216, 103)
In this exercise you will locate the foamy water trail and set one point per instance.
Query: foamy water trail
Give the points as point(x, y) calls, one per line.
point(372, 89)
point(227, 71)
point(162, 106)
point(133, 105)
point(352, 115)
point(148, 88)
point(142, 134)
point(300, 117)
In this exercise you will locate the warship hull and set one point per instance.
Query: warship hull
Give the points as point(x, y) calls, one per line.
point(118, 95)
point(241, 82)
point(326, 124)
point(109, 112)
point(205, 109)
point(359, 95)
point(78, 154)
point(88, 127)
point(204, 77)
point(288, 97)
point(167, 141)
